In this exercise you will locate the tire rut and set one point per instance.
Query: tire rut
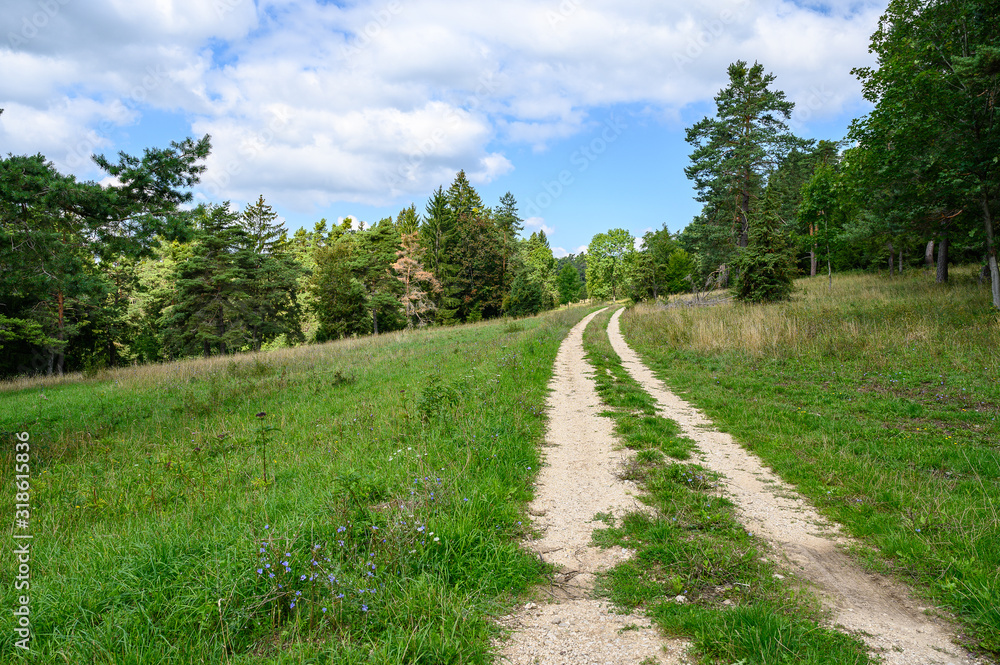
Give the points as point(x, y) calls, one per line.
point(881, 611)
point(577, 482)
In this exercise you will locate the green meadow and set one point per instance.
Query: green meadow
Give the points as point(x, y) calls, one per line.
point(364, 500)
point(355, 502)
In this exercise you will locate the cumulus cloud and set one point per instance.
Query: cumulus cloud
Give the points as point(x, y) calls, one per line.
point(372, 101)
point(535, 224)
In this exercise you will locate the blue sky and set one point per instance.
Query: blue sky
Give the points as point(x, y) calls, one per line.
point(577, 107)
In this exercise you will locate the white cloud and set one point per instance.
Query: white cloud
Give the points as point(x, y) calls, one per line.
point(538, 224)
point(382, 99)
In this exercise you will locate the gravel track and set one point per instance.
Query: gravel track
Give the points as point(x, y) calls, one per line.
point(881, 611)
point(577, 482)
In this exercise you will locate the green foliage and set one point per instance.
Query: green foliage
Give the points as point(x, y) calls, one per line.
point(661, 268)
point(766, 271)
point(931, 141)
point(338, 296)
point(527, 296)
point(569, 284)
point(63, 242)
point(608, 256)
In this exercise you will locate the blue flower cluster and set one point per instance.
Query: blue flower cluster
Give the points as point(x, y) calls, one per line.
point(325, 582)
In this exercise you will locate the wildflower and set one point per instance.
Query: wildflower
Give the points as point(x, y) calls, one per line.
point(364, 608)
point(260, 571)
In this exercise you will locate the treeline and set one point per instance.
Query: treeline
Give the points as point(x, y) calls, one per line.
point(96, 276)
point(916, 182)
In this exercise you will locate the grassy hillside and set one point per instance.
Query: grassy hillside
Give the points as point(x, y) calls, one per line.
point(346, 503)
point(880, 399)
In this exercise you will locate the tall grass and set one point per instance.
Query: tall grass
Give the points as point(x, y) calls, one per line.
point(880, 400)
point(384, 529)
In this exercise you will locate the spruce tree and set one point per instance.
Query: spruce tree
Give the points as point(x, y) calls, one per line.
point(272, 277)
point(766, 265)
point(208, 315)
point(438, 238)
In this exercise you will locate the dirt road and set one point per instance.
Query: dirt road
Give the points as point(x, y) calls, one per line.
point(579, 482)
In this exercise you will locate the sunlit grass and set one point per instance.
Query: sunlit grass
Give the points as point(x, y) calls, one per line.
point(155, 489)
point(879, 400)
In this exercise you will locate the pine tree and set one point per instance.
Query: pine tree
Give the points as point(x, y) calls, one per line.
point(510, 224)
point(408, 221)
point(375, 252)
point(438, 238)
point(338, 297)
point(737, 149)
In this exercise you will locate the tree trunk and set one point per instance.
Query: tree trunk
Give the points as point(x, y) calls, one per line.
point(901, 261)
point(812, 252)
point(991, 251)
point(929, 255)
point(745, 212)
point(61, 362)
point(375, 320)
point(942, 266)
point(829, 265)
point(891, 257)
